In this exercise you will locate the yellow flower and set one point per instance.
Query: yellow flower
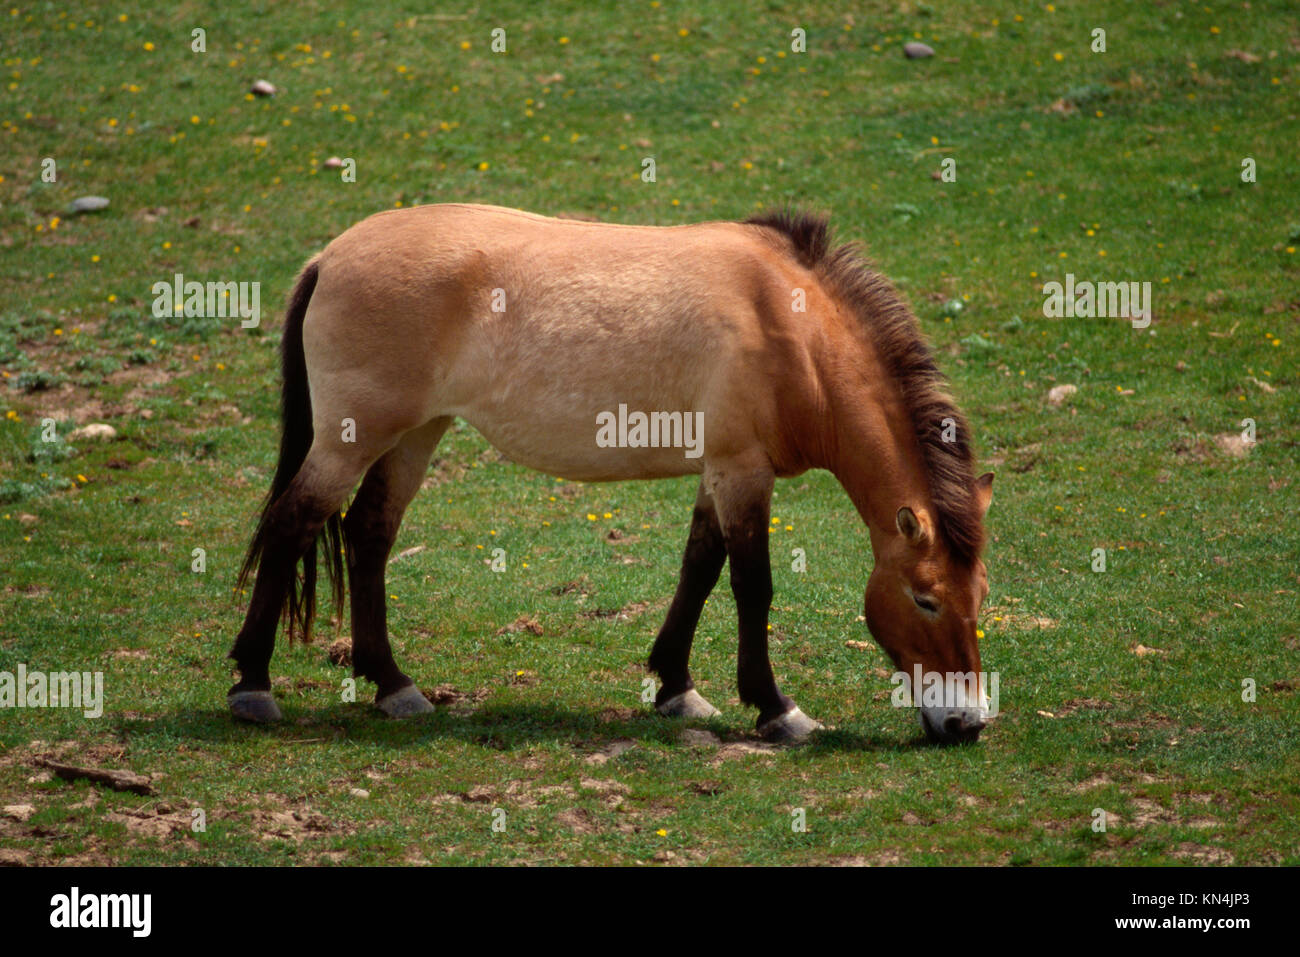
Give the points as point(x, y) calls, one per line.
point(482, 166)
point(661, 832)
point(148, 46)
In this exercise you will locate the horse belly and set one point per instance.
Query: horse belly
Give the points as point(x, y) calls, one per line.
point(591, 409)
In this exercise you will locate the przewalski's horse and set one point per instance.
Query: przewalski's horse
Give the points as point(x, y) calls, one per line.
point(794, 354)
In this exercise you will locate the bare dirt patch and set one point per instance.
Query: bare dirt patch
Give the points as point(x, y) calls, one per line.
point(626, 613)
point(609, 752)
point(454, 698)
point(577, 820)
point(890, 858)
point(159, 821)
point(523, 623)
point(742, 749)
point(1202, 854)
point(1082, 704)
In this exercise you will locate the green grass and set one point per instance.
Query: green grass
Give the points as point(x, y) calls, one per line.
point(1134, 175)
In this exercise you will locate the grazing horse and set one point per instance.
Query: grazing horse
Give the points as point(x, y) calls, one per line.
point(788, 352)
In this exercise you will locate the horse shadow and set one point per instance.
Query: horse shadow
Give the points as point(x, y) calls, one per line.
point(504, 727)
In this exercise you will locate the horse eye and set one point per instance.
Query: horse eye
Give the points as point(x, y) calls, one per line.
point(925, 603)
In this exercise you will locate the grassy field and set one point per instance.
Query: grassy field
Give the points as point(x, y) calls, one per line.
point(1120, 690)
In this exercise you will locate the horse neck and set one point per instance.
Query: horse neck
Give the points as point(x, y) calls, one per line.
point(874, 453)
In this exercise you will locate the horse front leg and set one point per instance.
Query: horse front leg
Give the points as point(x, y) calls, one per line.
point(743, 494)
point(701, 565)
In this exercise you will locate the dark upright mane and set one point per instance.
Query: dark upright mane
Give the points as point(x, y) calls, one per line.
point(896, 336)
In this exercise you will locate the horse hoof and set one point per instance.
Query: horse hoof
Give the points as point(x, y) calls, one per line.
point(404, 703)
point(794, 725)
point(688, 704)
point(256, 706)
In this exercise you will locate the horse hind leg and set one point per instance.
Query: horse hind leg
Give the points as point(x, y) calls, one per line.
point(701, 565)
point(369, 530)
point(290, 530)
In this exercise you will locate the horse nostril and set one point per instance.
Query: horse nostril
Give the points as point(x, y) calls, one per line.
point(965, 724)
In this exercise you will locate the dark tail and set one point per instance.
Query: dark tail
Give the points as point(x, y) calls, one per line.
point(295, 442)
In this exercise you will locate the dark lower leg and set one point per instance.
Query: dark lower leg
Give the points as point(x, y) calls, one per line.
point(370, 534)
point(295, 520)
point(751, 582)
point(701, 566)
point(369, 530)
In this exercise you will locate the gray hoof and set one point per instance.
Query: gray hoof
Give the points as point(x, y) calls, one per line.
point(794, 725)
point(688, 704)
point(404, 703)
point(256, 706)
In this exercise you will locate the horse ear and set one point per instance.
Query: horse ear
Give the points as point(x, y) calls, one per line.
point(909, 526)
point(984, 492)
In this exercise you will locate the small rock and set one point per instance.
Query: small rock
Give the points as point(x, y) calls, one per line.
point(917, 51)
point(359, 793)
point(332, 163)
point(98, 431)
point(1060, 393)
point(19, 812)
point(263, 88)
point(25, 518)
point(88, 204)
